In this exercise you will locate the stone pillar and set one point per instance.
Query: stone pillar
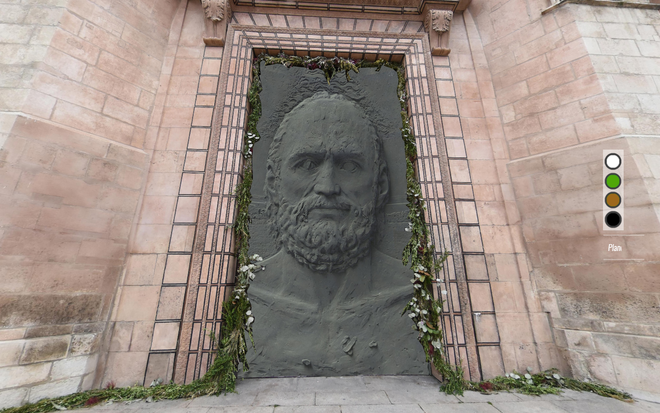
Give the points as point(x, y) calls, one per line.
point(437, 24)
point(218, 13)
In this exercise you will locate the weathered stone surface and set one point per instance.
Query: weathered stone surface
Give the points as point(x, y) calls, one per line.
point(631, 346)
point(70, 367)
point(17, 376)
point(45, 331)
point(54, 389)
point(85, 344)
point(89, 328)
point(636, 373)
point(10, 352)
point(12, 398)
point(609, 306)
point(45, 349)
point(48, 309)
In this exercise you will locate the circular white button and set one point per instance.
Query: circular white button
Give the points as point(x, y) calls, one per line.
point(612, 161)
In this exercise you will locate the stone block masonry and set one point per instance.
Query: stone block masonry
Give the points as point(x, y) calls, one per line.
point(118, 163)
point(570, 83)
point(78, 85)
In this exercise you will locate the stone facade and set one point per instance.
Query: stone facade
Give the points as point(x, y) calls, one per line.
point(120, 147)
point(570, 83)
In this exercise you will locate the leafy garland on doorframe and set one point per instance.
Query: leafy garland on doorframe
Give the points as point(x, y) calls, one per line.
point(423, 308)
point(237, 318)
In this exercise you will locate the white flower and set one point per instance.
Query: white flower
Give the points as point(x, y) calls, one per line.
point(249, 312)
point(259, 259)
point(251, 275)
point(528, 376)
point(412, 315)
point(422, 326)
point(417, 286)
point(250, 320)
point(244, 268)
point(425, 312)
point(252, 266)
point(437, 344)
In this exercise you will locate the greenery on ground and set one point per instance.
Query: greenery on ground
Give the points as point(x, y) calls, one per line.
point(423, 309)
point(546, 382)
point(119, 394)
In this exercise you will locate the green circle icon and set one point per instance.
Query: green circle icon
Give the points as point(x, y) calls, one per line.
point(613, 181)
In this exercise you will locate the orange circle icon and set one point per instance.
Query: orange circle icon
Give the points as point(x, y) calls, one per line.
point(613, 200)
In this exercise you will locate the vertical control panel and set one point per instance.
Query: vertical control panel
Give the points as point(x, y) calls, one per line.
point(613, 217)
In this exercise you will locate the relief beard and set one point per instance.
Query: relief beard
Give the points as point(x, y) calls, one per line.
point(325, 245)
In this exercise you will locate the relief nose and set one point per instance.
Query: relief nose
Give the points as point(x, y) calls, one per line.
point(325, 183)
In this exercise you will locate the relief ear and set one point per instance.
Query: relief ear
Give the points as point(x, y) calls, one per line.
point(383, 183)
point(271, 184)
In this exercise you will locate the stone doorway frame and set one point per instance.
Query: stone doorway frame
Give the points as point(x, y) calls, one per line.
point(213, 267)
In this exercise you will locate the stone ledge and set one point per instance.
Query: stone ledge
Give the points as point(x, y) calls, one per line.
point(605, 3)
point(410, 7)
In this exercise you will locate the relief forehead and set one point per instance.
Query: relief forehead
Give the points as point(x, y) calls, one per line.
point(327, 124)
point(322, 113)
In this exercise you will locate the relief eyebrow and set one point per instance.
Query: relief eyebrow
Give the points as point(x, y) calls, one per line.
point(346, 155)
point(301, 153)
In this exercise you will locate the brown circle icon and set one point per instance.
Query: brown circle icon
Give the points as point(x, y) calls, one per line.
point(613, 200)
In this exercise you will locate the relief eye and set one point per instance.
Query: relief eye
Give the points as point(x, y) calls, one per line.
point(306, 165)
point(350, 166)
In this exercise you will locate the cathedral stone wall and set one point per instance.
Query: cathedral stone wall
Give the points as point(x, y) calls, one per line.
point(120, 150)
point(571, 83)
point(77, 91)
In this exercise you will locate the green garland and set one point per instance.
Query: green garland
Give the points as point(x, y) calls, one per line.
point(545, 382)
point(237, 319)
point(423, 309)
point(237, 314)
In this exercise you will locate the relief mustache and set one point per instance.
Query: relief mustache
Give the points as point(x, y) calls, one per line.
point(310, 203)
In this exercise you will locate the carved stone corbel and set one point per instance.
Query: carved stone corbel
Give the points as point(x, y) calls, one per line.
point(438, 24)
point(218, 14)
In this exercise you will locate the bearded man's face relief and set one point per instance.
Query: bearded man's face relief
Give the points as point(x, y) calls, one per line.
point(326, 184)
point(328, 302)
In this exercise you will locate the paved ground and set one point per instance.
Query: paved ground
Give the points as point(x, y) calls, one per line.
point(377, 395)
